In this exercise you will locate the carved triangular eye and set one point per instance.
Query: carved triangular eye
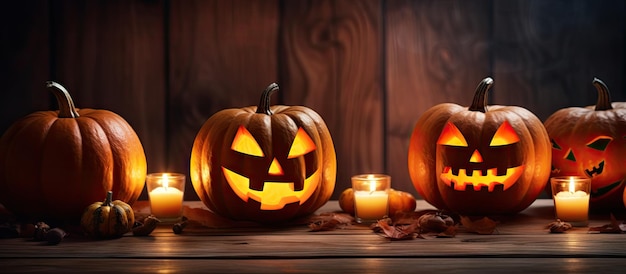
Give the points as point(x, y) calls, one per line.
point(451, 136)
point(555, 145)
point(570, 155)
point(301, 145)
point(245, 143)
point(505, 135)
point(600, 143)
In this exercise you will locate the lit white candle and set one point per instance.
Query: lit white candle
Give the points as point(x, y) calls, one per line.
point(166, 199)
point(371, 197)
point(572, 205)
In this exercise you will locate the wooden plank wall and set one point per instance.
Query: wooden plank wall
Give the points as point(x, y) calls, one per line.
point(369, 67)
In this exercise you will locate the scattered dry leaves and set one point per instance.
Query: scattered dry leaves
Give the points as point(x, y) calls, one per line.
point(396, 232)
point(483, 225)
point(330, 221)
point(416, 225)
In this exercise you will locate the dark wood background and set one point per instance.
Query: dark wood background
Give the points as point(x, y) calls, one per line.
point(370, 67)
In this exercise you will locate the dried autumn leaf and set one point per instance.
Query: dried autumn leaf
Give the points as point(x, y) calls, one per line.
point(559, 226)
point(450, 232)
point(480, 226)
point(397, 232)
point(613, 227)
point(329, 221)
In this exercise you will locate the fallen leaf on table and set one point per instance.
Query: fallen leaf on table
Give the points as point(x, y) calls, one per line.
point(397, 232)
point(480, 226)
point(329, 221)
point(450, 232)
point(613, 227)
point(559, 226)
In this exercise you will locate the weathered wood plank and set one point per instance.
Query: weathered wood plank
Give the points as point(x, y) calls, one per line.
point(331, 62)
point(222, 55)
point(25, 63)
point(521, 236)
point(436, 52)
point(319, 265)
point(546, 53)
point(111, 55)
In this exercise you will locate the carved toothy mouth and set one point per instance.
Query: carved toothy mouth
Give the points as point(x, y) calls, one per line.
point(274, 195)
point(595, 170)
point(490, 181)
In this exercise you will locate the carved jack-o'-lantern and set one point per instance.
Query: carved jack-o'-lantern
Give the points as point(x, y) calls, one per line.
point(465, 168)
point(591, 142)
point(264, 163)
point(479, 160)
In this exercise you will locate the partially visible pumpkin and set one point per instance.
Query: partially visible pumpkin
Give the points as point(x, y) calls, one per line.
point(479, 160)
point(55, 163)
point(264, 163)
point(591, 141)
point(399, 201)
point(108, 219)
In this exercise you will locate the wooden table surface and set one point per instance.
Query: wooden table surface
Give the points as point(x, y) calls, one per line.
point(520, 244)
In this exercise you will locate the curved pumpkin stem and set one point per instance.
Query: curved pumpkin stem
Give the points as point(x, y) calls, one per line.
point(66, 105)
point(109, 199)
point(604, 96)
point(264, 104)
point(480, 96)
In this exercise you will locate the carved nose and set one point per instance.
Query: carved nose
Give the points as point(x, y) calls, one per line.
point(275, 168)
point(476, 157)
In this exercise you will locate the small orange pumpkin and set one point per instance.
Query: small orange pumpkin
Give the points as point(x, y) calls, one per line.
point(479, 160)
point(265, 163)
point(55, 163)
point(107, 219)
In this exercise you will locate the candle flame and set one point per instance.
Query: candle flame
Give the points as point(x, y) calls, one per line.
point(572, 186)
point(372, 183)
point(166, 180)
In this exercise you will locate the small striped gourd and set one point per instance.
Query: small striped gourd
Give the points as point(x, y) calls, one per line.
point(108, 219)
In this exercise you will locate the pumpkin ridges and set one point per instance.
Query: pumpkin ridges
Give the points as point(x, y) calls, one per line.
point(573, 128)
point(62, 152)
point(434, 119)
point(298, 116)
point(107, 219)
point(477, 124)
point(59, 168)
point(540, 168)
point(268, 127)
point(128, 157)
point(18, 144)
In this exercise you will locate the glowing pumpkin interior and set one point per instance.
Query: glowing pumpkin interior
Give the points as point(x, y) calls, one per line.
point(477, 175)
point(274, 195)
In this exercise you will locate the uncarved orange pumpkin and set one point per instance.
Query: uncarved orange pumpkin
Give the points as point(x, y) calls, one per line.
point(479, 160)
point(53, 164)
point(591, 141)
point(265, 163)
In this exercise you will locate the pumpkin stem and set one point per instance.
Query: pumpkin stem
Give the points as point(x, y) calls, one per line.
point(480, 95)
point(264, 104)
point(109, 199)
point(66, 105)
point(604, 96)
